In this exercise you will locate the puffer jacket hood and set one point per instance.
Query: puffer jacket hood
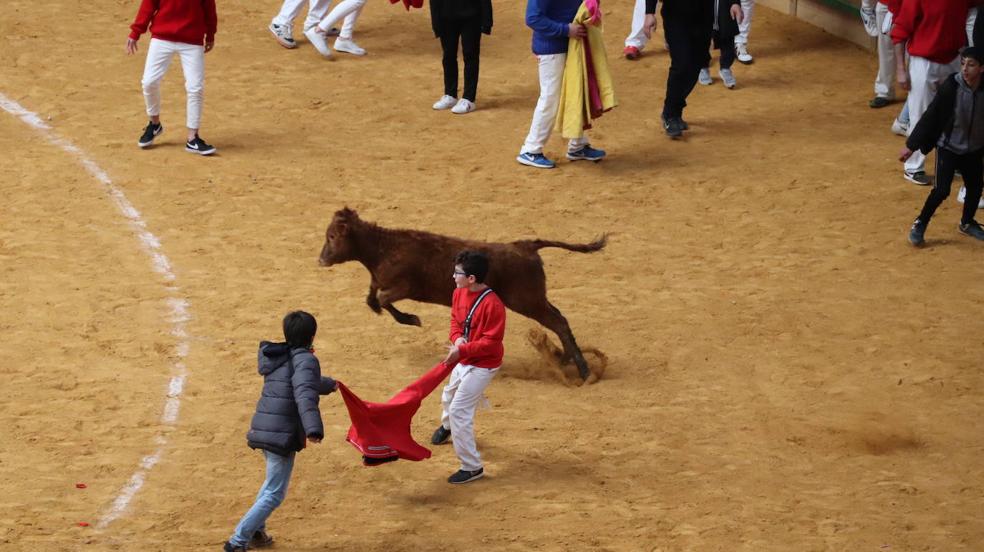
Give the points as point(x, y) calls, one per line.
point(272, 356)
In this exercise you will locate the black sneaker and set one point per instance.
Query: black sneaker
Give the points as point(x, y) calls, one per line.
point(260, 540)
point(972, 229)
point(229, 547)
point(197, 145)
point(440, 436)
point(879, 102)
point(673, 127)
point(683, 124)
point(152, 131)
point(462, 476)
point(917, 232)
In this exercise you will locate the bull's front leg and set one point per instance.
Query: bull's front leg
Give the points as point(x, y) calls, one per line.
point(372, 300)
point(387, 297)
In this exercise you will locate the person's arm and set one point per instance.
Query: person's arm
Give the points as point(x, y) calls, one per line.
point(536, 19)
point(457, 332)
point(649, 23)
point(211, 25)
point(307, 382)
point(736, 12)
point(931, 124)
point(901, 71)
point(148, 8)
point(328, 386)
point(490, 327)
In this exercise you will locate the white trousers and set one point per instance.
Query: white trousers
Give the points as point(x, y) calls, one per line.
point(317, 9)
point(551, 69)
point(885, 81)
point(926, 77)
point(460, 398)
point(971, 19)
point(745, 27)
point(159, 54)
point(348, 10)
point(637, 37)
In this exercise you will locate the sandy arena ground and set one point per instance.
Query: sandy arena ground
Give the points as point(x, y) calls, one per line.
point(785, 372)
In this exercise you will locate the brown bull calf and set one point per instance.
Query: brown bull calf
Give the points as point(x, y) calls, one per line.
point(409, 264)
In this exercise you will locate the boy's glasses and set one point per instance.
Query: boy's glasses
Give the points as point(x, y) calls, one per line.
point(459, 273)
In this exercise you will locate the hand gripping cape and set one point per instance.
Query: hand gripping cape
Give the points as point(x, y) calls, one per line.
point(381, 431)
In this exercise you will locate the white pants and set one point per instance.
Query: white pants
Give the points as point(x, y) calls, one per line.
point(348, 10)
point(317, 9)
point(159, 54)
point(551, 69)
point(745, 27)
point(460, 398)
point(926, 77)
point(885, 81)
point(971, 19)
point(637, 37)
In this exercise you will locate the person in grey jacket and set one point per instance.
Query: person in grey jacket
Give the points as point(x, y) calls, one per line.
point(286, 415)
point(953, 124)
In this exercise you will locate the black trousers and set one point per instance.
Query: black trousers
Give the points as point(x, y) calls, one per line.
point(726, 43)
point(469, 32)
point(970, 165)
point(689, 42)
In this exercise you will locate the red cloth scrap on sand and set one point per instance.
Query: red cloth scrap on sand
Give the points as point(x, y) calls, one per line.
point(381, 431)
point(408, 3)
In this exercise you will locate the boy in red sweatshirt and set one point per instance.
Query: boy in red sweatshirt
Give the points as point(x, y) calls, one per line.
point(177, 27)
point(933, 32)
point(478, 323)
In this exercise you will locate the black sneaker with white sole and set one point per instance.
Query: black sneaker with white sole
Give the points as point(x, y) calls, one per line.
point(972, 229)
point(152, 131)
point(197, 145)
point(440, 435)
point(464, 476)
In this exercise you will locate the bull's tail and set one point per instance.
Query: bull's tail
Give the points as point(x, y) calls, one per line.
point(596, 245)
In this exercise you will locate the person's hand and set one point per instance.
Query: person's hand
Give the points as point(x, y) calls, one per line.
point(902, 76)
point(649, 24)
point(458, 342)
point(576, 30)
point(314, 439)
point(453, 356)
point(209, 46)
point(131, 46)
point(737, 14)
point(905, 154)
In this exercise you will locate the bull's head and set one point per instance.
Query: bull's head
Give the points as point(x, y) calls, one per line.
point(338, 242)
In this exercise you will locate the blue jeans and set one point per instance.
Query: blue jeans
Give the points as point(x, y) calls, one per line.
point(271, 495)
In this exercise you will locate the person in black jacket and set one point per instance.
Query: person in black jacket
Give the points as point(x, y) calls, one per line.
point(687, 27)
point(954, 125)
point(723, 34)
point(286, 415)
point(464, 20)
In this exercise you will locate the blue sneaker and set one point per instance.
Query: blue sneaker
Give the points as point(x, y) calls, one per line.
point(537, 160)
point(917, 233)
point(587, 153)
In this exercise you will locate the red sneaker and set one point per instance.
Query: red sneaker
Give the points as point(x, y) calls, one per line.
point(631, 52)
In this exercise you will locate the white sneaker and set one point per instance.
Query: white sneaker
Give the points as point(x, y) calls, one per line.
point(743, 56)
point(899, 128)
point(446, 102)
point(705, 77)
point(349, 46)
point(284, 35)
point(728, 78)
point(463, 106)
point(318, 40)
point(870, 22)
point(962, 196)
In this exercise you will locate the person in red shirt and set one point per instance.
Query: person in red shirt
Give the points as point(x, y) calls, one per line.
point(185, 28)
point(933, 32)
point(478, 323)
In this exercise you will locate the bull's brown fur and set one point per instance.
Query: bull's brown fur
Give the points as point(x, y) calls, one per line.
point(410, 264)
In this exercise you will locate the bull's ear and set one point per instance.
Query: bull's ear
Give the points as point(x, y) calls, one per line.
point(342, 228)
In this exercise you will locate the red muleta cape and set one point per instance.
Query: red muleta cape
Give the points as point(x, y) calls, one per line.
point(381, 431)
point(409, 3)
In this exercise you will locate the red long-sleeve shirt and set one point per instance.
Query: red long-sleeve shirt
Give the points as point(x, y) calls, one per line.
point(934, 29)
point(188, 21)
point(488, 326)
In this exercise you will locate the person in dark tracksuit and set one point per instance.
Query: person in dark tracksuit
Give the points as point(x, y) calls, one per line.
point(687, 27)
point(723, 34)
point(464, 20)
point(286, 415)
point(954, 125)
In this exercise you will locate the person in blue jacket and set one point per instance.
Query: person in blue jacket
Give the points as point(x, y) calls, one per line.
point(551, 21)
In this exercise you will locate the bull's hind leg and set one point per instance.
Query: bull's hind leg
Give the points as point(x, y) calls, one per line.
point(387, 297)
point(552, 318)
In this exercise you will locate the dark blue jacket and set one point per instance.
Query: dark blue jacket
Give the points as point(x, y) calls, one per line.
point(287, 411)
point(549, 20)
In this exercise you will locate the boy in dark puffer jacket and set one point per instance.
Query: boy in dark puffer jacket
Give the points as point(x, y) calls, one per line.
point(286, 414)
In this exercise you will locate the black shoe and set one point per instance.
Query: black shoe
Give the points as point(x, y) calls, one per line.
point(673, 127)
point(229, 547)
point(152, 131)
point(260, 540)
point(462, 476)
point(440, 436)
point(878, 102)
point(683, 124)
point(972, 229)
point(917, 232)
point(197, 145)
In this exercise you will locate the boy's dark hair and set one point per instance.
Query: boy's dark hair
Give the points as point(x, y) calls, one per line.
point(299, 329)
point(474, 263)
point(973, 52)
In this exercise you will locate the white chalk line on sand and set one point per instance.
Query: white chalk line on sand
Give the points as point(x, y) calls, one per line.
point(178, 314)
